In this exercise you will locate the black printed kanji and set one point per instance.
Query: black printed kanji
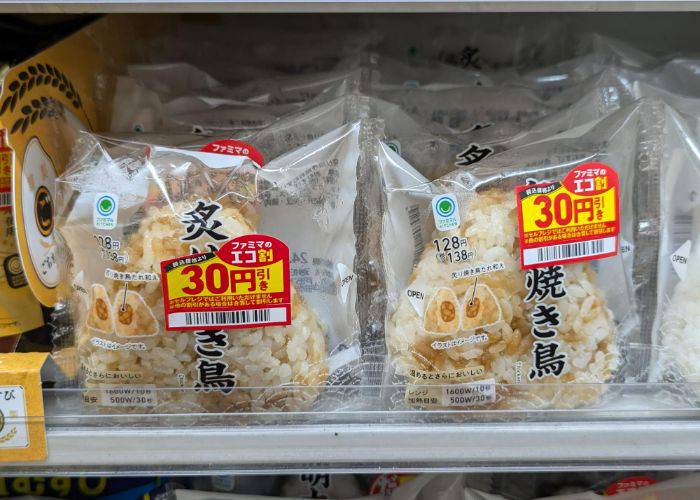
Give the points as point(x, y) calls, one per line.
point(479, 126)
point(543, 334)
point(543, 282)
point(469, 57)
point(197, 222)
point(546, 361)
point(472, 154)
point(206, 339)
point(317, 481)
point(545, 314)
point(213, 376)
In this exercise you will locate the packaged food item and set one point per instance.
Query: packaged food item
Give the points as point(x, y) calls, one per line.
point(296, 88)
point(477, 106)
point(485, 311)
point(482, 106)
point(172, 79)
point(677, 323)
point(170, 315)
point(437, 154)
point(388, 73)
point(19, 310)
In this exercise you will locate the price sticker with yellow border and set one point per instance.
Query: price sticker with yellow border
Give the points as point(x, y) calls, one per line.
point(245, 284)
point(573, 220)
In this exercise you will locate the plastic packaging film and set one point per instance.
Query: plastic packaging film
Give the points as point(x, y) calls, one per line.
point(176, 203)
point(352, 157)
point(447, 324)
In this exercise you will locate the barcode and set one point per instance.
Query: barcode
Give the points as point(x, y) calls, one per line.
point(567, 251)
point(5, 199)
point(227, 318)
point(682, 229)
point(414, 220)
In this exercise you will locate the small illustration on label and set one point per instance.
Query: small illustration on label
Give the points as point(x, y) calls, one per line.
point(679, 260)
point(445, 212)
point(100, 313)
point(13, 425)
point(480, 308)
point(14, 272)
point(104, 215)
point(132, 316)
point(442, 313)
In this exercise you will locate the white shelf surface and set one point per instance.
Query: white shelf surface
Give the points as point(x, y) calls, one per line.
point(372, 447)
point(286, 6)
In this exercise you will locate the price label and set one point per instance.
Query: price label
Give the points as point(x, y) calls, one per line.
point(245, 284)
point(573, 220)
point(22, 432)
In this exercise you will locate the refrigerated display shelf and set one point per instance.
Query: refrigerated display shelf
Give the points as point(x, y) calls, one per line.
point(628, 431)
point(371, 447)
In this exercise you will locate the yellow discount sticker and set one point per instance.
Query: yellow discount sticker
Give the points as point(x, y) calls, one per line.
point(245, 284)
point(573, 220)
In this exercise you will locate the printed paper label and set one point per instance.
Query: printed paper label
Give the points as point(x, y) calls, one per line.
point(573, 220)
point(245, 284)
point(234, 148)
point(104, 214)
point(630, 484)
point(22, 432)
point(13, 417)
point(445, 212)
point(679, 260)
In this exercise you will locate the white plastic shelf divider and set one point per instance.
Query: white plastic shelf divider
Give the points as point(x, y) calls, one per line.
point(477, 447)
point(288, 6)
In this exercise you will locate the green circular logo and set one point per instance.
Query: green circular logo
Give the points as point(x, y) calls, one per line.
point(105, 205)
point(445, 207)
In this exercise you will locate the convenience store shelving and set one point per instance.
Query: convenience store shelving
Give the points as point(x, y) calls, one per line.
point(628, 431)
point(627, 435)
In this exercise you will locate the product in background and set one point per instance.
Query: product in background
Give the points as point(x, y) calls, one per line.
point(483, 106)
point(471, 306)
point(677, 325)
point(384, 73)
point(19, 310)
point(269, 250)
point(436, 154)
point(152, 101)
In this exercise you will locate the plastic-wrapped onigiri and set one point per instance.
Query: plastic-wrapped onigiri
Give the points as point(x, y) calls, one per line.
point(118, 297)
point(483, 325)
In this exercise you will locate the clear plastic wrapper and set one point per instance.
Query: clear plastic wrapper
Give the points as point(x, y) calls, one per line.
point(297, 88)
point(483, 43)
point(437, 154)
point(170, 203)
point(152, 102)
point(461, 311)
point(387, 73)
point(677, 325)
point(136, 108)
point(461, 109)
